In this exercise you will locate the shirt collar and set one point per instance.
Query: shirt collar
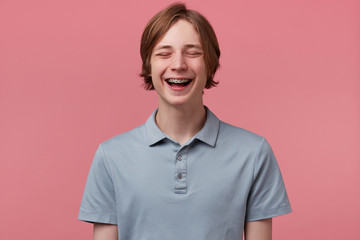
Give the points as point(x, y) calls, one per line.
point(208, 134)
point(153, 132)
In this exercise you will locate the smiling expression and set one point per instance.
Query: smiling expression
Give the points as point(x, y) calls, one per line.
point(178, 69)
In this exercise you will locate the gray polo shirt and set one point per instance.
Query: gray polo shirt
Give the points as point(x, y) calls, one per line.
point(153, 188)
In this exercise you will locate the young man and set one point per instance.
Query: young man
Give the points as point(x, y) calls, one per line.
point(184, 174)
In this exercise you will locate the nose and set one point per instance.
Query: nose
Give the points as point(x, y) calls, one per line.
point(178, 62)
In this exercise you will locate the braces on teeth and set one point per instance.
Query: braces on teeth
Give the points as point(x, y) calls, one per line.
point(178, 80)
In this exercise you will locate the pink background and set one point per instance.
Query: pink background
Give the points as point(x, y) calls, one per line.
point(69, 80)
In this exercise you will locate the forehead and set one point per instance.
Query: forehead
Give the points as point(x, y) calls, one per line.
point(181, 33)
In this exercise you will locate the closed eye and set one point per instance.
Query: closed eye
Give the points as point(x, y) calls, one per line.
point(163, 54)
point(193, 53)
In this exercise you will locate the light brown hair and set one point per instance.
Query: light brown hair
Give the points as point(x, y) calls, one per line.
point(161, 23)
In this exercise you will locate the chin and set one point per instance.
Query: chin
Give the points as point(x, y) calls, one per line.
point(181, 101)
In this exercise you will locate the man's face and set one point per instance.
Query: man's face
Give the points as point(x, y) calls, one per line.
point(178, 69)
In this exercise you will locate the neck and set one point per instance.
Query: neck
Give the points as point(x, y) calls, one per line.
point(181, 123)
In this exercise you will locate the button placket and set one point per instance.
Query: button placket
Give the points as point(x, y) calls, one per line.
point(180, 171)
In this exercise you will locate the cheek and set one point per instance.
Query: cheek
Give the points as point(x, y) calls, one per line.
point(200, 69)
point(202, 73)
point(198, 65)
point(157, 68)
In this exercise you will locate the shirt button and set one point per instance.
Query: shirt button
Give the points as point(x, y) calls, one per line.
point(179, 158)
point(179, 176)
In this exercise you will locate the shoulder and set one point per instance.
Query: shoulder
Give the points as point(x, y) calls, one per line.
point(249, 144)
point(126, 140)
point(237, 136)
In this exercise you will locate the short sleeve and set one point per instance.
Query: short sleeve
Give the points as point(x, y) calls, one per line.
point(267, 197)
point(99, 203)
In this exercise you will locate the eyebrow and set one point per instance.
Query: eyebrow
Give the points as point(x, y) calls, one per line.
point(186, 46)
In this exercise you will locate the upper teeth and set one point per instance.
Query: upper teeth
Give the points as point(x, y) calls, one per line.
point(178, 80)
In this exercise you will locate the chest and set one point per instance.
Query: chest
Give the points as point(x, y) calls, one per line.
point(182, 181)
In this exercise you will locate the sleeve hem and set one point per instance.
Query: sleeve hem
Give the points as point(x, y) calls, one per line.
point(93, 218)
point(264, 214)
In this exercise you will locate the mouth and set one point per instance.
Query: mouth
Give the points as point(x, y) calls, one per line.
point(178, 82)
